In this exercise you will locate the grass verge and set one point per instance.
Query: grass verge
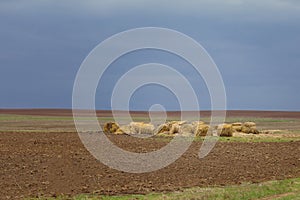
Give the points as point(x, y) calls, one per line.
point(284, 189)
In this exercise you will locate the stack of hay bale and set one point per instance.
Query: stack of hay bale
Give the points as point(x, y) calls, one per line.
point(110, 127)
point(249, 127)
point(125, 129)
point(141, 128)
point(186, 130)
point(200, 128)
point(225, 130)
point(237, 126)
point(162, 129)
point(132, 128)
point(197, 128)
point(169, 128)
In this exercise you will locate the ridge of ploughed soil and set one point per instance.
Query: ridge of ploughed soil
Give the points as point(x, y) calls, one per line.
point(57, 163)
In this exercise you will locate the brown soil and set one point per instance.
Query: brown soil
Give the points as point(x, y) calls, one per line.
point(230, 113)
point(50, 164)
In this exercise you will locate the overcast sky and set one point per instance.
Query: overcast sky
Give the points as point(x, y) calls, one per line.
point(255, 44)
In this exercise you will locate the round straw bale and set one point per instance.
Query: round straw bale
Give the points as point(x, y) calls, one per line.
point(123, 130)
point(110, 127)
point(141, 128)
point(249, 124)
point(201, 130)
point(196, 123)
point(249, 127)
point(225, 130)
point(186, 129)
point(174, 128)
point(237, 126)
point(163, 128)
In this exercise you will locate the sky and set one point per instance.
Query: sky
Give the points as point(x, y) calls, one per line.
point(255, 45)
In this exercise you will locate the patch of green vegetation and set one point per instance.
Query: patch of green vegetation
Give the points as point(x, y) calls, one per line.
point(29, 123)
point(256, 119)
point(284, 189)
point(236, 139)
point(137, 119)
point(290, 196)
point(258, 139)
point(4, 117)
point(11, 117)
point(38, 131)
point(294, 131)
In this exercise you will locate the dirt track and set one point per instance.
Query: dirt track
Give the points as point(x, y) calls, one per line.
point(55, 163)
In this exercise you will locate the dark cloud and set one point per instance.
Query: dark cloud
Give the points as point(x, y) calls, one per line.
point(255, 45)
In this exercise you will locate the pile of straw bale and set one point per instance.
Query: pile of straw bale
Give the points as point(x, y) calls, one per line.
point(197, 128)
point(225, 130)
point(249, 127)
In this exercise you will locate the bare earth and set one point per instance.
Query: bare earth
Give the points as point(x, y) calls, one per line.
point(50, 164)
point(230, 113)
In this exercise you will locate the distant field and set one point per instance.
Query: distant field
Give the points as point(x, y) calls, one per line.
point(286, 128)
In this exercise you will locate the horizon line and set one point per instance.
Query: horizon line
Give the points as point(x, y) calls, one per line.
point(107, 110)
